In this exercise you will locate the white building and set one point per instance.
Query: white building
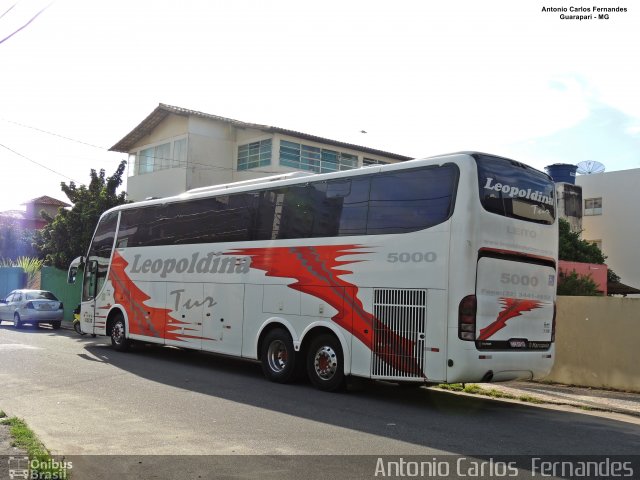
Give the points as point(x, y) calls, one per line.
point(174, 150)
point(610, 218)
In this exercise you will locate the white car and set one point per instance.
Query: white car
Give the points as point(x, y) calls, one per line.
point(31, 306)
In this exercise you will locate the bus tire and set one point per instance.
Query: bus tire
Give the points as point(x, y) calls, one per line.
point(325, 363)
point(119, 339)
point(278, 358)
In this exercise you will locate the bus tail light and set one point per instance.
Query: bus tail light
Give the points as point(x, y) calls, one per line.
point(553, 324)
point(467, 318)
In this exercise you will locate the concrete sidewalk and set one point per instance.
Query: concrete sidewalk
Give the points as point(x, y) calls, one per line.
point(587, 399)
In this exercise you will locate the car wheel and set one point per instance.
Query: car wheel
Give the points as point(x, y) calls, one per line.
point(56, 325)
point(119, 339)
point(325, 363)
point(76, 327)
point(16, 320)
point(278, 356)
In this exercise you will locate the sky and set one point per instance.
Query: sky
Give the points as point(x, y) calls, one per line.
point(420, 77)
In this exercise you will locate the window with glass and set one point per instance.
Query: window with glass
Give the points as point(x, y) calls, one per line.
point(515, 190)
point(597, 243)
point(99, 256)
point(372, 161)
point(179, 153)
point(593, 206)
point(161, 157)
point(315, 159)
point(254, 155)
point(382, 203)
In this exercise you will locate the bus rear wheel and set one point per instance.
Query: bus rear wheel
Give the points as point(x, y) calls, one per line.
point(278, 357)
point(119, 339)
point(325, 363)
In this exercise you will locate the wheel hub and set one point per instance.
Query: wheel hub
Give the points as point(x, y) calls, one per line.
point(326, 363)
point(118, 333)
point(277, 356)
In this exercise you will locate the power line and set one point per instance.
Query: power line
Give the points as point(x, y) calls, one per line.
point(25, 25)
point(181, 163)
point(39, 164)
point(172, 161)
point(55, 134)
point(8, 10)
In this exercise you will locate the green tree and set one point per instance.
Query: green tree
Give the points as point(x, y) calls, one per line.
point(15, 242)
point(577, 285)
point(572, 248)
point(69, 233)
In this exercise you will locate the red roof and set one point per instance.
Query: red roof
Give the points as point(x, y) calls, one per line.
point(45, 200)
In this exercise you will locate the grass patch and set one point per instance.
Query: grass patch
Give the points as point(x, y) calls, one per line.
point(453, 387)
point(474, 389)
point(24, 438)
point(529, 399)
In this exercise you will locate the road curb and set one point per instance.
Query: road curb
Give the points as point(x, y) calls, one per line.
point(541, 401)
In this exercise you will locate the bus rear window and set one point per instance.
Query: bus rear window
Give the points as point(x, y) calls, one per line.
point(515, 190)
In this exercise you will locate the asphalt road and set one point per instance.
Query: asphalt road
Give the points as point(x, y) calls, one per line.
point(83, 398)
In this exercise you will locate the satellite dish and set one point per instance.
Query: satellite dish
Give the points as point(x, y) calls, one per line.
point(589, 167)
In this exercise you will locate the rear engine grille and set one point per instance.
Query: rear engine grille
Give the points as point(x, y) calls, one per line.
point(399, 333)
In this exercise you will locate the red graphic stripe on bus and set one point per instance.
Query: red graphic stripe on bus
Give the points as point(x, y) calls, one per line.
point(511, 307)
point(143, 319)
point(317, 272)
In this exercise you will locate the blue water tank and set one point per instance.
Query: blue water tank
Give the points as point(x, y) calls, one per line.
point(562, 172)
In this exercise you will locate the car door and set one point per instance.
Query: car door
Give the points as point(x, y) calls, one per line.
point(4, 308)
point(14, 304)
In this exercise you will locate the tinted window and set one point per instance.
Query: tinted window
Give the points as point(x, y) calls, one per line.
point(410, 200)
point(102, 242)
point(515, 190)
point(225, 218)
point(100, 254)
point(388, 202)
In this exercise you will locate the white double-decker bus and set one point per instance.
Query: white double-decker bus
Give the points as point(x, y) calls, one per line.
point(434, 270)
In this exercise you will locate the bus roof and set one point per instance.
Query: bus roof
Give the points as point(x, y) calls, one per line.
point(292, 178)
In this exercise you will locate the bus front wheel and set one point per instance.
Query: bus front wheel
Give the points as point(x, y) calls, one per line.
point(119, 339)
point(325, 363)
point(278, 356)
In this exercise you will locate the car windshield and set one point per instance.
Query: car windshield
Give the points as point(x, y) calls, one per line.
point(40, 295)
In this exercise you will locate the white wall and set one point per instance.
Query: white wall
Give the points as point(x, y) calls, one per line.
point(163, 183)
point(212, 147)
point(619, 225)
point(172, 126)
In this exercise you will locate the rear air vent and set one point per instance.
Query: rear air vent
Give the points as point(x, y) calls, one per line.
point(399, 333)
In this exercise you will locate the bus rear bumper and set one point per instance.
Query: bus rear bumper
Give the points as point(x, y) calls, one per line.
point(498, 366)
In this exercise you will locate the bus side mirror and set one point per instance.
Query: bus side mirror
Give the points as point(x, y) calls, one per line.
point(76, 264)
point(72, 274)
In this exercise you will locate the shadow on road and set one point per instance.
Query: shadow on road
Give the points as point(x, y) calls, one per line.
point(433, 419)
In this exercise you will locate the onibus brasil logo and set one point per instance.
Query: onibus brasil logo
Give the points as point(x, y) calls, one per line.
point(36, 469)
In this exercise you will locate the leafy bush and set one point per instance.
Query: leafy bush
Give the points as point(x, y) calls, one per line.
point(573, 284)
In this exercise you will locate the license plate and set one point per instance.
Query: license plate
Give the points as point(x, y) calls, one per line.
point(517, 343)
